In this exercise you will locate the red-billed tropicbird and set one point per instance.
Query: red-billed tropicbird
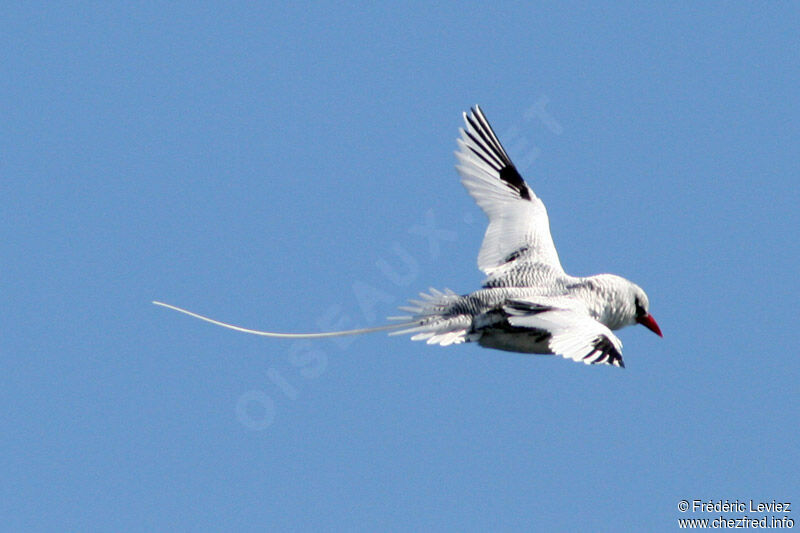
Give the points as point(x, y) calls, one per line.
point(527, 303)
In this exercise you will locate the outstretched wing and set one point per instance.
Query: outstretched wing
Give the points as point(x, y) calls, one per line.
point(572, 334)
point(518, 225)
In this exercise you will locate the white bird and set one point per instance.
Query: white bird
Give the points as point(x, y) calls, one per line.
point(527, 302)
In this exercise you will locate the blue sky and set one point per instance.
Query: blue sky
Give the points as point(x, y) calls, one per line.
point(291, 168)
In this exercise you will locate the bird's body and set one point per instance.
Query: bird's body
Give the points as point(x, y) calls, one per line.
point(519, 313)
point(527, 303)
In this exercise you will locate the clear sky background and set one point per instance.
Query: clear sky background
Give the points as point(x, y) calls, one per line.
point(291, 168)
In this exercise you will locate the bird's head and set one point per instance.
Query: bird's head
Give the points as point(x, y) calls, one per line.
point(641, 309)
point(622, 303)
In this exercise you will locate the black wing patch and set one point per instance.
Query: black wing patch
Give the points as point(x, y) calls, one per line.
point(493, 153)
point(498, 319)
point(604, 352)
point(512, 178)
point(521, 307)
point(516, 254)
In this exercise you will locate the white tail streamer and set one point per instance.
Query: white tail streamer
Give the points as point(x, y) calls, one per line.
point(284, 335)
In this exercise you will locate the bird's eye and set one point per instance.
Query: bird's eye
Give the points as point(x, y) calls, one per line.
point(639, 308)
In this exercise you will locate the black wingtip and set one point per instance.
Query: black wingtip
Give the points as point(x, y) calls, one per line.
point(608, 353)
point(493, 150)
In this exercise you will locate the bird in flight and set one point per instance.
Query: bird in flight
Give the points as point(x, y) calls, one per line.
point(527, 303)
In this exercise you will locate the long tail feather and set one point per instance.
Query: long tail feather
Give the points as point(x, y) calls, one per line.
point(286, 335)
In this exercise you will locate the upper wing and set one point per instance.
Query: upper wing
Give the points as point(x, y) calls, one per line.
point(572, 333)
point(518, 223)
